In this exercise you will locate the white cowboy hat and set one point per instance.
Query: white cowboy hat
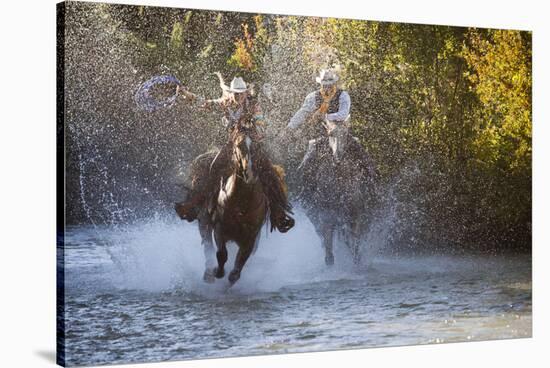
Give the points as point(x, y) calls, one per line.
point(238, 85)
point(327, 77)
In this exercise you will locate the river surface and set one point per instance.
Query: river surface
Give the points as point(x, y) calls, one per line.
point(135, 294)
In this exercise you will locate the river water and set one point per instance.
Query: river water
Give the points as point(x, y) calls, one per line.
point(135, 293)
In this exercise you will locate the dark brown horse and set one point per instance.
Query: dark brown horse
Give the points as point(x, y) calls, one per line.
point(337, 189)
point(238, 209)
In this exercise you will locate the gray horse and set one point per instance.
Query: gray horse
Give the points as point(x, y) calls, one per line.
point(337, 189)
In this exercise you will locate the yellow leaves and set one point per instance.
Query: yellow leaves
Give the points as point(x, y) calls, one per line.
point(500, 64)
point(261, 32)
point(249, 49)
point(241, 57)
point(176, 38)
point(247, 36)
point(188, 16)
point(389, 65)
point(448, 49)
point(219, 18)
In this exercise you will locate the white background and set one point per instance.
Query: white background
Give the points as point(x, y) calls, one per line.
point(27, 202)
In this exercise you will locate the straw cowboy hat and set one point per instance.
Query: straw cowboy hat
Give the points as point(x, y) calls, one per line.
point(238, 85)
point(327, 77)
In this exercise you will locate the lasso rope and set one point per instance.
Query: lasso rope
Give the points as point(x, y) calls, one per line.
point(146, 101)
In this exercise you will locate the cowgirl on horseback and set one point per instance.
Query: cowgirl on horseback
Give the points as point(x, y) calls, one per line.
point(240, 110)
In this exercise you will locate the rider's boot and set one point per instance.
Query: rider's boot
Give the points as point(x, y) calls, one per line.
point(281, 220)
point(279, 206)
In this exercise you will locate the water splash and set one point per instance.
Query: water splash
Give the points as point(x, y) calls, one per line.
point(164, 253)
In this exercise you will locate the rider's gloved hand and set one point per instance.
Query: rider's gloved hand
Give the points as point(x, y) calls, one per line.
point(318, 116)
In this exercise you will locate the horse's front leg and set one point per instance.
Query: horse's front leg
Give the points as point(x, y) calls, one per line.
point(245, 250)
point(327, 232)
point(221, 253)
point(205, 229)
point(354, 241)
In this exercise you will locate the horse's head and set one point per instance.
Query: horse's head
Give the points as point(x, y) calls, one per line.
point(338, 138)
point(242, 152)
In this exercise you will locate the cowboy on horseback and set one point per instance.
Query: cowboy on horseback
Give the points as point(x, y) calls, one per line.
point(330, 104)
point(336, 174)
point(240, 110)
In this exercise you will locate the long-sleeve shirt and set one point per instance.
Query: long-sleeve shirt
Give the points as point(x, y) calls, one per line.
point(232, 112)
point(309, 106)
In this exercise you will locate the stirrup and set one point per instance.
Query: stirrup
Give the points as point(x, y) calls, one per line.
point(283, 224)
